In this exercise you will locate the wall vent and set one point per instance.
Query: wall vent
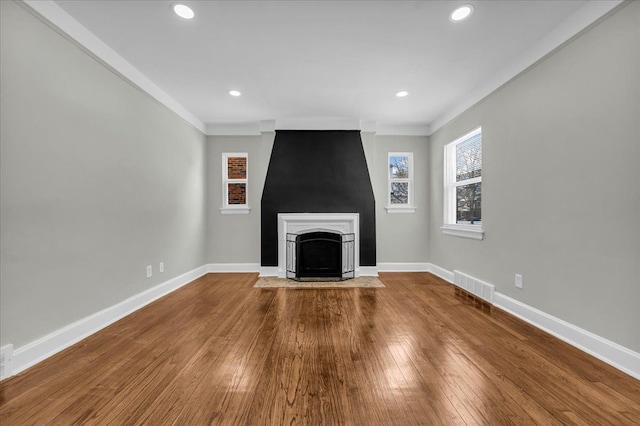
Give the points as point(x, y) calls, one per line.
point(474, 286)
point(6, 356)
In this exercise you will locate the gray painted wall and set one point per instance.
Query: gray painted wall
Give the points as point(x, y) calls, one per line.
point(402, 237)
point(97, 181)
point(560, 186)
point(236, 238)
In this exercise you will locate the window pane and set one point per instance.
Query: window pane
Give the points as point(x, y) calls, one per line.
point(399, 167)
point(237, 167)
point(399, 193)
point(469, 158)
point(237, 193)
point(469, 204)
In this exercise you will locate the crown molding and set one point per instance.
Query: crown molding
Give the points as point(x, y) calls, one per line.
point(255, 128)
point(402, 130)
point(53, 14)
point(267, 126)
point(581, 19)
point(50, 12)
point(252, 128)
point(317, 123)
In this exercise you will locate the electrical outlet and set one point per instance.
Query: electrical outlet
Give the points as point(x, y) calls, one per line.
point(149, 271)
point(518, 281)
point(161, 267)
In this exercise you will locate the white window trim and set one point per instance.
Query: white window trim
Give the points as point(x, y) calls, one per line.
point(233, 208)
point(473, 232)
point(400, 208)
point(450, 227)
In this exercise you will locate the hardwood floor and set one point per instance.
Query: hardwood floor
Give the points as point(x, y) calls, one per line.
point(218, 351)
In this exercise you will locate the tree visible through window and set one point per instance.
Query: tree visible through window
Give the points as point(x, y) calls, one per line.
point(400, 179)
point(463, 180)
point(469, 178)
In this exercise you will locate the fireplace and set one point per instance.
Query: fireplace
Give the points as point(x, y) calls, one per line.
point(320, 255)
point(304, 223)
point(322, 173)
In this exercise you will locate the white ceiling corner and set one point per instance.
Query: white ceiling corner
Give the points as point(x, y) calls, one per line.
point(320, 64)
point(74, 29)
point(581, 19)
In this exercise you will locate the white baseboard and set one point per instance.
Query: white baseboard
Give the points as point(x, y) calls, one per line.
point(441, 272)
point(403, 267)
point(233, 267)
point(367, 271)
point(26, 356)
point(268, 271)
point(618, 356)
point(6, 361)
point(36, 351)
point(272, 271)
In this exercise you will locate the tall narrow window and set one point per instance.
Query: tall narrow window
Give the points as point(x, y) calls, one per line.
point(235, 175)
point(463, 186)
point(400, 178)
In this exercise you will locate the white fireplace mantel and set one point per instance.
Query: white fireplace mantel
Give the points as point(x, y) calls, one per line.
point(296, 223)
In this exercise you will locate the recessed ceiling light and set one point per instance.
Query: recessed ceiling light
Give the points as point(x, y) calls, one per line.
point(402, 93)
point(234, 93)
point(183, 11)
point(461, 13)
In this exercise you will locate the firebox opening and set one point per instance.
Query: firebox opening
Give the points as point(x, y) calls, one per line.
point(320, 255)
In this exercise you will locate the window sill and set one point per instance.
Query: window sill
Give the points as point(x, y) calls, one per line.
point(235, 210)
point(474, 232)
point(393, 209)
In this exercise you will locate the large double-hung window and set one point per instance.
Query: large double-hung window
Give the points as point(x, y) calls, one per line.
point(463, 186)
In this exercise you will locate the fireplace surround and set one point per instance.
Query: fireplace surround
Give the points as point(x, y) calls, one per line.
point(316, 172)
point(301, 223)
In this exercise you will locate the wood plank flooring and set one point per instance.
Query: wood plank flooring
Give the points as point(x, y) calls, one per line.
point(219, 351)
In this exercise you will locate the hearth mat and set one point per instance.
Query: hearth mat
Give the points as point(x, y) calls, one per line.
point(274, 282)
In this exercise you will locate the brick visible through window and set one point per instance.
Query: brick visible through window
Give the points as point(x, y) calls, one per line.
point(237, 167)
point(235, 179)
point(237, 193)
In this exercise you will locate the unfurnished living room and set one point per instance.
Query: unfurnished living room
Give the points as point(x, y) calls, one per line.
point(320, 212)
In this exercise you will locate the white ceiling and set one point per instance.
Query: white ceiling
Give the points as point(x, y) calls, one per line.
point(321, 60)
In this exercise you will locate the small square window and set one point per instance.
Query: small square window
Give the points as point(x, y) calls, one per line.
point(235, 178)
point(400, 183)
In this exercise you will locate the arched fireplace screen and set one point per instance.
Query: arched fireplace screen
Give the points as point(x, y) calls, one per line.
point(320, 256)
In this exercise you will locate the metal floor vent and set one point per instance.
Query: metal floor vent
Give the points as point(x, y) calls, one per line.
point(474, 286)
